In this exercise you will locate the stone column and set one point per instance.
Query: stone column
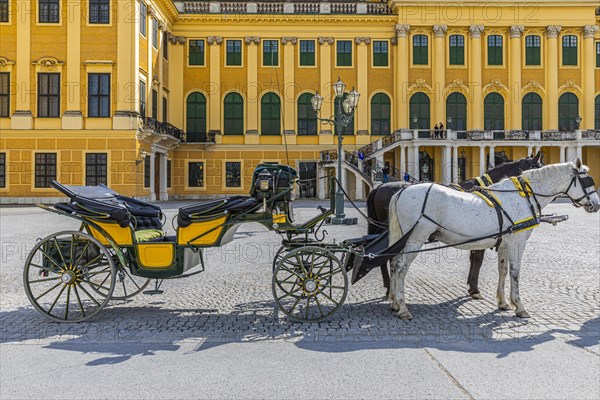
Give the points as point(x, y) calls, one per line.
point(446, 165)
point(492, 156)
point(401, 77)
point(164, 195)
point(288, 92)
point(552, 61)
point(326, 89)
point(439, 73)
point(475, 78)
point(323, 183)
point(22, 117)
point(161, 43)
point(362, 83)
point(514, 74)
point(402, 166)
point(561, 150)
point(481, 160)
point(579, 152)
point(454, 164)
point(588, 66)
point(358, 187)
point(414, 168)
point(252, 99)
point(214, 102)
point(176, 96)
point(152, 176)
point(72, 117)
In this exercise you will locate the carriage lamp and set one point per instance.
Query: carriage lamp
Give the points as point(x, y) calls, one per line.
point(339, 87)
point(317, 102)
point(343, 116)
point(578, 122)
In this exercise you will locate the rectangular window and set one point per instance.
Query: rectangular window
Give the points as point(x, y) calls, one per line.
point(420, 50)
point(147, 171)
point(143, 99)
point(3, 10)
point(48, 95)
point(2, 170)
point(380, 53)
point(270, 53)
point(196, 52)
point(196, 174)
point(233, 174)
point(168, 173)
point(234, 53)
point(4, 94)
point(495, 50)
point(45, 169)
point(307, 53)
point(99, 11)
point(533, 54)
point(154, 33)
point(344, 53)
point(597, 54)
point(165, 112)
point(48, 11)
point(154, 104)
point(95, 169)
point(569, 50)
point(457, 50)
point(98, 95)
point(165, 45)
point(143, 16)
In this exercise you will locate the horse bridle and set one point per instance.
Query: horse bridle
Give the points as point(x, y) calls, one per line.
point(585, 182)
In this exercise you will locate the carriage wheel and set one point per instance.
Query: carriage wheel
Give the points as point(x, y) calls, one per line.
point(278, 256)
point(309, 284)
point(127, 284)
point(69, 276)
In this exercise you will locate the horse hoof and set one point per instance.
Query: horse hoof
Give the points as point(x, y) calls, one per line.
point(477, 296)
point(523, 314)
point(504, 307)
point(405, 315)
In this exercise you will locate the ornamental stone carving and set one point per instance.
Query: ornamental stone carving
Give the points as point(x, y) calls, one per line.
point(533, 86)
point(252, 40)
point(216, 40)
point(516, 31)
point(439, 30)
point(151, 11)
point(365, 40)
point(161, 26)
point(552, 31)
point(325, 39)
point(589, 31)
point(402, 30)
point(289, 39)
point(394, 41)
point(175, 39)
point(420, 85)
point(476, 31)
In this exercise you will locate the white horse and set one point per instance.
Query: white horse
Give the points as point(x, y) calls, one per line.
point(453, 218)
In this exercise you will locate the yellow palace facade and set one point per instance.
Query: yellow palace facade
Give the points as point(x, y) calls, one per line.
point(168, 99)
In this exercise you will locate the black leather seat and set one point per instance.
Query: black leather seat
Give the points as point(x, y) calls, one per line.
point(232, 205)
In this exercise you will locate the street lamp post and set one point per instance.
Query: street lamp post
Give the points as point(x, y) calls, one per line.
point(343, 116)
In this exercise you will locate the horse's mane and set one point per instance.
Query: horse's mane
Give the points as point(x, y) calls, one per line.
point(549, 171)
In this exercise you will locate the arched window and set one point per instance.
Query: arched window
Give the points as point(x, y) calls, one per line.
point(420, 50)
point(307, 118)
point(349, 129)
point(597, 114)
point(493, 112)
point(568, 110)
point(233, 114)
point(195, 117)
point(532, 112)
point(456, 108)
point(380, 114)
point(419, 111)
point(270, 114)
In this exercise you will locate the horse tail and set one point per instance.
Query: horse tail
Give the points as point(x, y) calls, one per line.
point(371, 211)
point(393, 222)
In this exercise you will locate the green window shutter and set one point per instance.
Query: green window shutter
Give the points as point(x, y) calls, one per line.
point(597, 54)
point(380, 54)
point(532, 50)
point(420, 50)
point(307, 52)
point(495, 50)
point(344, 53)
point(196, 52)
point(457, 50)
point(569, 47)
point(234, 52)
point(271, 53)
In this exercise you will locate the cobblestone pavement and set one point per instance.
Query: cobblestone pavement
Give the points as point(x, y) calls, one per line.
point(232, 299)
point(231, 302)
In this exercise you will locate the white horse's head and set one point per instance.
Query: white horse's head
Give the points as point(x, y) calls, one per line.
point(582, 191)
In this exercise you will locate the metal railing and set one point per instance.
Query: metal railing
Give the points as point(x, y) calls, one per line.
point(193, 137)
point(347, 7)
point(163, 128)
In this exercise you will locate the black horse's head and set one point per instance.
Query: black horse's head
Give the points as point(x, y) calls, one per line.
point(531, 162)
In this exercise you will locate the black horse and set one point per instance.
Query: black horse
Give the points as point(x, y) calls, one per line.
point(378, 204)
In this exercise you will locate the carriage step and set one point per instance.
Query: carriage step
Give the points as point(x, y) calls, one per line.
point(152, 292)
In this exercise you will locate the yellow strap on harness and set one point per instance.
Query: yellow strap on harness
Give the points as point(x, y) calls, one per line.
point(518, 186)
point(485, 196)
point(528, 226)
point(484, 181)
point(482, 196)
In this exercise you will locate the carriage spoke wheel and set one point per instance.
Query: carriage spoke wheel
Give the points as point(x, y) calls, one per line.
point(309, 284)
point(127, 284)
point(69, 276)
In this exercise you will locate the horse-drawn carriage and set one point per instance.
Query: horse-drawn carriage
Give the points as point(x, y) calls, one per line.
point(121, 246)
